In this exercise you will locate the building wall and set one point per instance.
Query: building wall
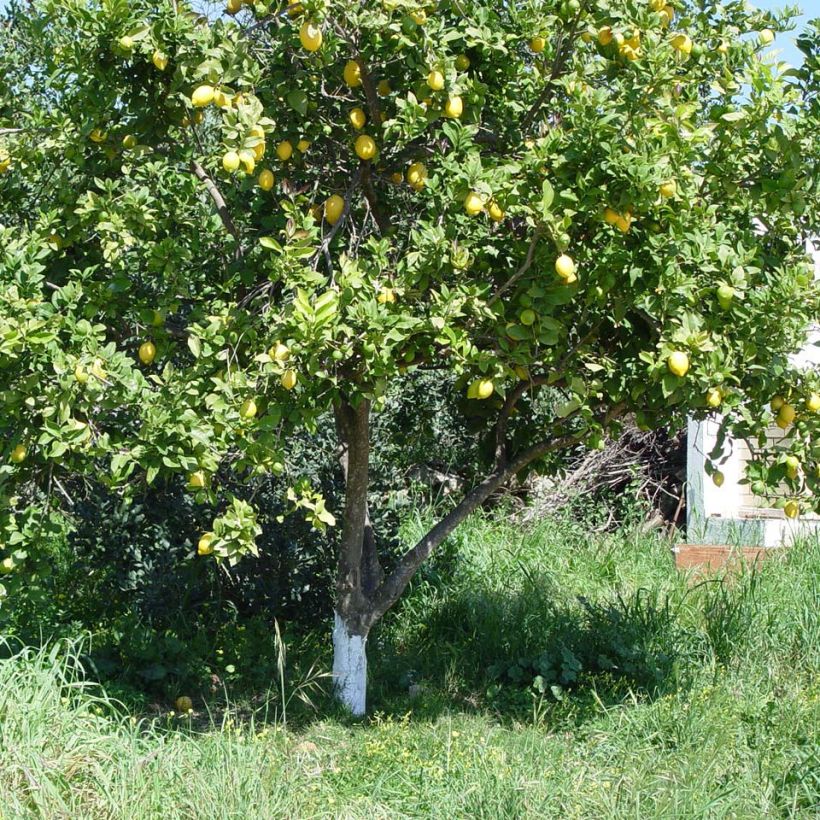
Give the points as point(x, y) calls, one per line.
point(731, 514)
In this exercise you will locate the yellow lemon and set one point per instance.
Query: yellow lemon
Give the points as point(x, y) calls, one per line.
point(284, 150)
point(97, 135)
point(387, 296)
point(713, 397)
point(657, 5)
point(279, 352)
point(203, 95)
point(396, 178)
point(473, 203)
point(289, 379)
point(248, 409)
point(766, 37)
point(435, 79)
point(605, 35)
point(776, 403)
point(147, 352)
point(265, 180)
point(365, 147)
point(718, 478)
point(453, 108)
point(682, 43)
point(678, 363)
point(352, 74)
point(419, 17)
point(564, 266)
point(129, 141)
point(334, 206)
point(791, 509)
point(204, 547)
point(198, 480)
point(611, 216)
point(495, 211)
point(462, 62)
point(302, 146)
point(18, 454)
point(248, 160)
point(417, 174)
point(785, 416)
point(484, 389)
point(383, 89)
point(813, 403)
point(668, 188)
point(357, 118)
point(537, 44)
point(159, 60)
point(230, 161)
point(310, 36)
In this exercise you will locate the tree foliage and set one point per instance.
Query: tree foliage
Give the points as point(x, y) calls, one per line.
point(297, 206)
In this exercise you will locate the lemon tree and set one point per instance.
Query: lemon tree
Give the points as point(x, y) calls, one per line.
point(216, 228)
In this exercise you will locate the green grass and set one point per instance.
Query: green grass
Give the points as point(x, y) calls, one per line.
point(660, 699)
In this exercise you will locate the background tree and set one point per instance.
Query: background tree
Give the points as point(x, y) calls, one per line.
point(215, 230)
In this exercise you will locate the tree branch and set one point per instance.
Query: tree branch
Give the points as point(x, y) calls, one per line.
point(527, 264)
point(506, 411)
point(219, 201)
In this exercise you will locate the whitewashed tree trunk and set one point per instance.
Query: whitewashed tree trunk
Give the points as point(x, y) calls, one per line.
point(349, 668)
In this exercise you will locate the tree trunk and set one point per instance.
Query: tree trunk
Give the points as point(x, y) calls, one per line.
point(359, 572)
point(349, 667)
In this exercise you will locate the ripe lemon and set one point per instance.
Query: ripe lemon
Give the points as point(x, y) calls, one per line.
point(462, 62)
point(435, 80)
point(365, 147)
point(813, 403)
point(302, 146)
point(766, 37)
point(352, 74)
point(159, 60)
point(18, 454)
point(611, 216)
point(537, 44)
point(791, 509)
point(284, 150)
point(419, 17)
point(713, 397)
point(678, 363)
point(776, 403)
point(81, 374)
point(484, 389)
point(668, 188)
point(387, 296)
point(564, 266)
point(682, 43)
point(233, 6)
point(289, 379)
point(129, 141)
point(248, 160)
point(334, 206)
point(265, 180)
point(279, 352)
point(357, 118)
point(248, 409)
point(623, 223)
point(473, 203)
point(718, 478)
point(126, 43)
point(258, 150)
point(198, 480)
point(6, 566)
point(453, 108)
point(396, 178)
point(417, 174)
point(204, 547)
point(383, 89)
point(203, 95)
point(785, 416)
point(495, 211)
point(147, 352)
point(183, 704)
point(657, 5)
point(310, 36)
point(97, 135)
point(605, 35)
point(230, 161)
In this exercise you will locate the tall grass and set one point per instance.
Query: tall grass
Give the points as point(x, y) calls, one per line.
point(724, 726)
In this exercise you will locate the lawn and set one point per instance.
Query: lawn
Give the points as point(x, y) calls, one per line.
point(546, 672)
